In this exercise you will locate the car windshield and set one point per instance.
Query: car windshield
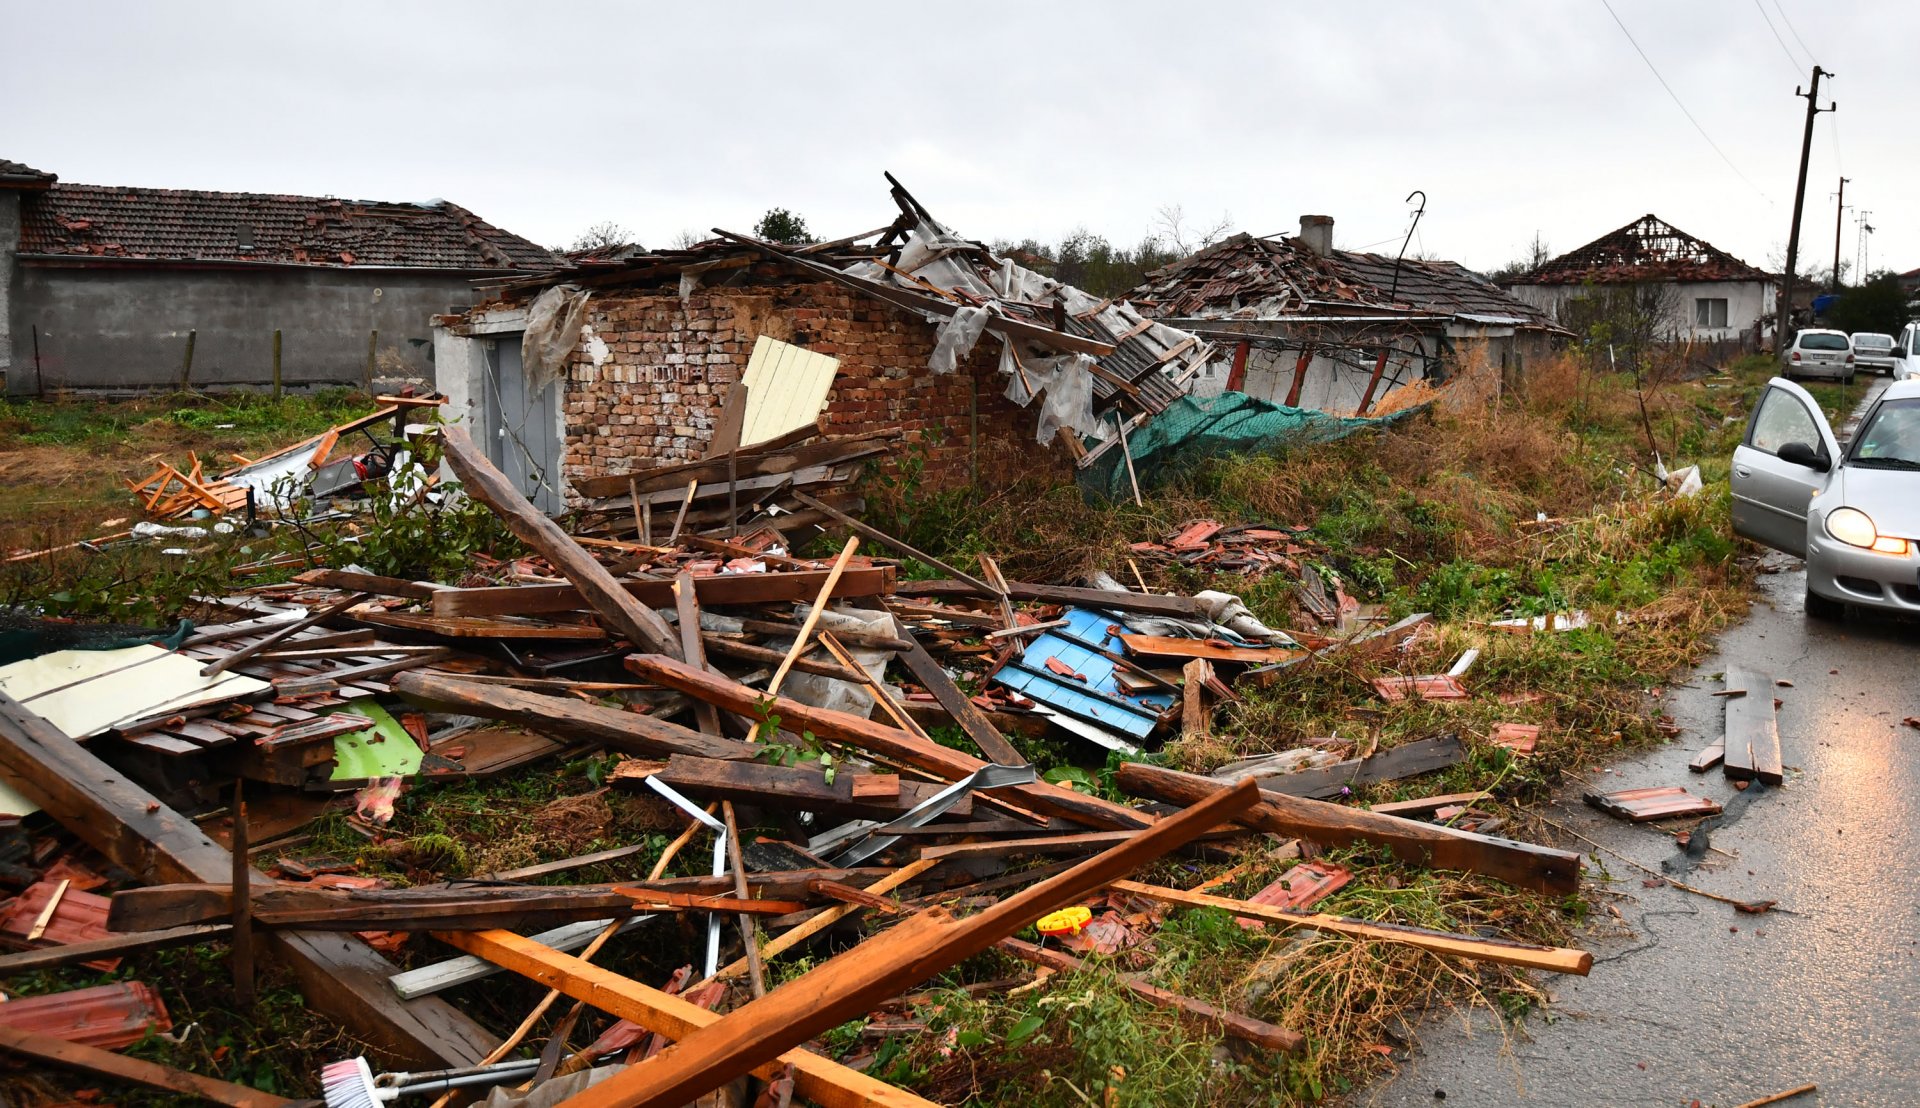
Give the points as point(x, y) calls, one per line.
point(1873, 342)
point(1891, 437)
point(1823, 342)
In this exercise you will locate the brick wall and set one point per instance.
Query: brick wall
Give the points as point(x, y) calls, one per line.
point(671, 363)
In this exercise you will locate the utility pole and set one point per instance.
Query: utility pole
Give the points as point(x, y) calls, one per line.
point(1785, 314)
point(1839, 211)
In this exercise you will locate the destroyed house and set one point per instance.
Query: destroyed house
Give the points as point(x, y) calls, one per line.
point(968, 364)
point(138, 289)
point(1705, 292)
point(1312, 326)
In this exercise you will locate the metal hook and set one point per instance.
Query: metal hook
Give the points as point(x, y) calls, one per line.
point(1394, 292)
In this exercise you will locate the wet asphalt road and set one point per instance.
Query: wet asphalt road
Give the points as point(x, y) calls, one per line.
point(1691, 999)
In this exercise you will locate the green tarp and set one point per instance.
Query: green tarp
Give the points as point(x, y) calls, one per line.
point(1193, 429)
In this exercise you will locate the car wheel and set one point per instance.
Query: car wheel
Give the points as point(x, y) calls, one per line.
point(1820, 608)
point(1847, 380)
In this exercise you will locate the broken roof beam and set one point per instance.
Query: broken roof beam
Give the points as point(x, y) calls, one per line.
point(624, 614)
point(917, 302)
point(1522, 865)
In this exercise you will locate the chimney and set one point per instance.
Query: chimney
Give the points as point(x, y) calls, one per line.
point(1316, 233)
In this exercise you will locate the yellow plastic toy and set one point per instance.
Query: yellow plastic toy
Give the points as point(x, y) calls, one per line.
point(1067, 921)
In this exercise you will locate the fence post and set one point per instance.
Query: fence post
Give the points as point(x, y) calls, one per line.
point(186, 363)
point(276, 363)
point(373, 346)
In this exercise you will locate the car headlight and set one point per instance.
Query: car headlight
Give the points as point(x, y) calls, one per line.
point(1855, 528)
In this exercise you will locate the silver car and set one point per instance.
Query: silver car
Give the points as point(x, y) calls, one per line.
point(1852, 511)
point(1873, 351)
point(1819, 353)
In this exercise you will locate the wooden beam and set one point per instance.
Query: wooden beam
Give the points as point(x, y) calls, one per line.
point(94, 1062)
point(960, 706)
point(877, 738)
point(866, 530)
point(1522, 865)
point(731, 588)
point(639, 623)
point(457, 908)
point(114, 946)
point(794, 936)
point(1406, 760)
point(1752, 743)
point(628, 732)
point(1505, 952)
point(342, 977)
point(1179, 607)
point(883, 966)
point(1246, 1028)
point(819, 1079)
point(813, 615)
point(227, 661)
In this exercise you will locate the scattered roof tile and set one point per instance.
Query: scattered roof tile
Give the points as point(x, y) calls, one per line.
point(1648, 249)
point(178, 225)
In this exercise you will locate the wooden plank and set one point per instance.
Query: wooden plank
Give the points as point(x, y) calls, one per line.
point(761, 460)
point(578, 861)
point(354, 675)
point(1752, 730)
point(960, 706)
point(341, 976)
point(1522, 865)
point(767, 656)
point(813, 615)
point(1427, 805)
point(1213, 650)
point(440, 908)
point(908, 953)
point(878, 738)
point(629, 732)
point(721, 589)
point(279, 634)
point(97, 1063)
point(817, 1078)
point(794, 936)
point(114, 946)
point(1710, 757)
point(1503, 951)
point(866, 530)
point(368, 582)
point(1405, 760)
point(795, 788)
point(639, 623)
point(479, 627)
point(1086, 843)
point(1180, 607)
point(1258, 1032)
point(1661, 802)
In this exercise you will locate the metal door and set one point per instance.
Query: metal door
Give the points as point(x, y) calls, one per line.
point(522, 431)
point(1770, 494)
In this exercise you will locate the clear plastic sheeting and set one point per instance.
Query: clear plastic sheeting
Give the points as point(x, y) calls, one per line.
point(1227, 618)
point(958, 336)
point(554, 320)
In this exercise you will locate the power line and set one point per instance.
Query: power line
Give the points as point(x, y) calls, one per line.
point(1796, 34)
point(1791, 60)
point(1679, 104)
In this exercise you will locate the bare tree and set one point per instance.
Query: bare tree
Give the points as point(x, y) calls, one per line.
point(687, 238)
point(1171, 226)
point(1533, 256)
point(602, 235)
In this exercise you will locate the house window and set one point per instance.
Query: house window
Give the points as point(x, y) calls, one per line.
point(1710, 311)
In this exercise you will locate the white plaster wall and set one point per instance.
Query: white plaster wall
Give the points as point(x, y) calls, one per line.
point(1747, 303)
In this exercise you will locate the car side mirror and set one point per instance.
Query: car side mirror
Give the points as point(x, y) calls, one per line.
point(1802, 454)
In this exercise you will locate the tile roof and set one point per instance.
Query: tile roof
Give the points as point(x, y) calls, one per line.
point(1247, 278)
point(20, 175)
point(1648, 249)
point(177, 225)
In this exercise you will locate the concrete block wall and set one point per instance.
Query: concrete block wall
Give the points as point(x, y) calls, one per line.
point(670, 364)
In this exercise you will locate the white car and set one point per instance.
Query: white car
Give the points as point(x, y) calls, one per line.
point(1873, 351)
point(1818, 352)
point(1852, 511)
point(1906, 353)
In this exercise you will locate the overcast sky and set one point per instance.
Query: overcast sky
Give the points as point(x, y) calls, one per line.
point(1006, 120)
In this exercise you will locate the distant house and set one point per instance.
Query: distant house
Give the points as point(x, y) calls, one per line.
point(1715, 296)
point(109, 287)
point(1316, 327)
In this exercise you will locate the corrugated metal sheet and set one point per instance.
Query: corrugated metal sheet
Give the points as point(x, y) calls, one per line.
point(1088, 689)
point(786, 387)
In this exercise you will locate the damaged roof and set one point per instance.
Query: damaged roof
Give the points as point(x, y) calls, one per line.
point(1648, 249)
point(1249, 278)
point(181, 225)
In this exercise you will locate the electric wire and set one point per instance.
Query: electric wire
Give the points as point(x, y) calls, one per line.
point(1651, 68)
point(1791, 60)
point(1804, 48)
